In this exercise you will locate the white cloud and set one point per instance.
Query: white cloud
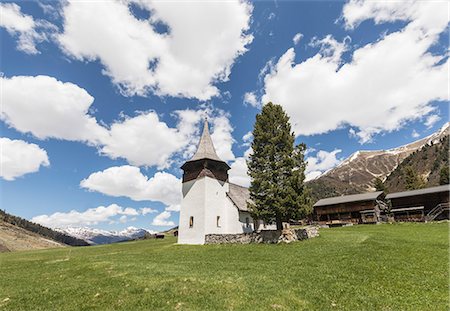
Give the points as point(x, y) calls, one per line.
point(197, 52)
point(321, 162)
point(128, 181)
point(222, 138)
point(238, 172)
point(431, 120)
point(296, 39)
point(162, 220)
point(143, 140)
point(247, 138)
point(251, 99)
point(147, 210)
point(91, 216)
point(49, 108)
point(28, 31)
point(414, 134)
point(173, 208)
point(155, 143)
point(18, 158)
point(380, 89)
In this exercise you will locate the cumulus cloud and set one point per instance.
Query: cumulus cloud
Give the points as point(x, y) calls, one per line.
point(431, 120)
point(296, 39)
point(251, 99)
point(147, 210)
point(238, 174)
point(142, 140)
point(128, 181)
point(49, 108)
point(196, 52)
point(321, 162)
point(91, 216)
point(414, 134)
point(222, 138)
point(19, 158)
point(162, 220)
point(28, 31)
point(381, 88)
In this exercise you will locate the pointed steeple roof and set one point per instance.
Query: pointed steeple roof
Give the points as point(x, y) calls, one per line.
point(205, 149)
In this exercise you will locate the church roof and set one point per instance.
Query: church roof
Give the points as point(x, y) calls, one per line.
point(205, 149)
point(239, 196)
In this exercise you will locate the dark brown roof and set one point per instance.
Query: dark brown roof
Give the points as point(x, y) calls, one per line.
point(369, 196)
point(239, 196)
point(443, 188)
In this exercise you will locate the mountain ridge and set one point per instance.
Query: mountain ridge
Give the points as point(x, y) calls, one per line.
point(95, 236)
point(357, 173)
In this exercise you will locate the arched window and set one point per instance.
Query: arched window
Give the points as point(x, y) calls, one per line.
point(218, 221)
point(191, 222)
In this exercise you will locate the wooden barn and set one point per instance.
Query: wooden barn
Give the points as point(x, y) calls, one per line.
point(420, 205)
point(357, 208)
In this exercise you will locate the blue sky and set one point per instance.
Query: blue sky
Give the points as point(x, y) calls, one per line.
point(102, 102)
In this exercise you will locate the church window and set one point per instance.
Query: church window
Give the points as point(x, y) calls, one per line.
point(191, 222)
point(247, 222)
point(218, 221)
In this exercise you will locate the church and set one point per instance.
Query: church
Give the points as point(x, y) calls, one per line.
point(211, 204)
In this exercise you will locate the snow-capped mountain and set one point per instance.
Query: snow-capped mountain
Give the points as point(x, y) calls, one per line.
point(97, 236)
point(357, 173)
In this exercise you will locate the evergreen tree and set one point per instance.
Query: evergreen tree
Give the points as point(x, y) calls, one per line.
point(443, 176)
point(379, 185)
point(277, 169)
point(412, 180)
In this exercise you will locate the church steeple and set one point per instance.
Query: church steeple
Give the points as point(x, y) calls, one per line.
point(205, 149)
point(205, 161)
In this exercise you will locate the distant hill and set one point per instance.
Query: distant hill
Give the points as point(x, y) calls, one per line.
point(17, 233)
point(97, 236)
point(427, 163)
point(14, 238)
point(357, 173)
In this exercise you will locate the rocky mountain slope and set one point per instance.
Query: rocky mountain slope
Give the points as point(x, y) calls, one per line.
point(357, 173)
point(97, 236)
point(14, 238)
point(429, 164)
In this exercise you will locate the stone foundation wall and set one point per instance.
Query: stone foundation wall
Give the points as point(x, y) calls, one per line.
point(264, 236)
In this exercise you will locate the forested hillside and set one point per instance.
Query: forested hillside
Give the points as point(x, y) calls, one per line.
point(41, 230)
point(426, 167)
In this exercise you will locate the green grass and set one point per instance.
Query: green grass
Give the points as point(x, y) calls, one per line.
point(371, 267)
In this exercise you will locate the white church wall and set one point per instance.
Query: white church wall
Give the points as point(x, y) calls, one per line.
point(192, 205)
point(215, 197)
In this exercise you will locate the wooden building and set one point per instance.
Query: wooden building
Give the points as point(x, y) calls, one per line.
point(357, 208)
point(420, 205)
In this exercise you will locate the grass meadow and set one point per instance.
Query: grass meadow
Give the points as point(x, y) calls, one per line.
point(367, 267)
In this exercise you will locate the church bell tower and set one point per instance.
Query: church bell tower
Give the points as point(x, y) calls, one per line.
point(205, 184)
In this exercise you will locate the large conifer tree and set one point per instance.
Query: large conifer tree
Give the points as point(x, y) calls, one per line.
point(277, 169)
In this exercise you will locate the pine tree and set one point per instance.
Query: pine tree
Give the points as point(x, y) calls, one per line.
point(443, 176)
point(379, 185)
point(412, 180)
point(277, 169)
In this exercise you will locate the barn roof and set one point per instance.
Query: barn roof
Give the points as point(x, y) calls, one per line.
point(443, 188)
point(205, 149)
point(369, 196)
point(239, 196)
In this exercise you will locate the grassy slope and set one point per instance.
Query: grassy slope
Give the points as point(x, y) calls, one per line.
point(384, 267)
point(14, 238)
